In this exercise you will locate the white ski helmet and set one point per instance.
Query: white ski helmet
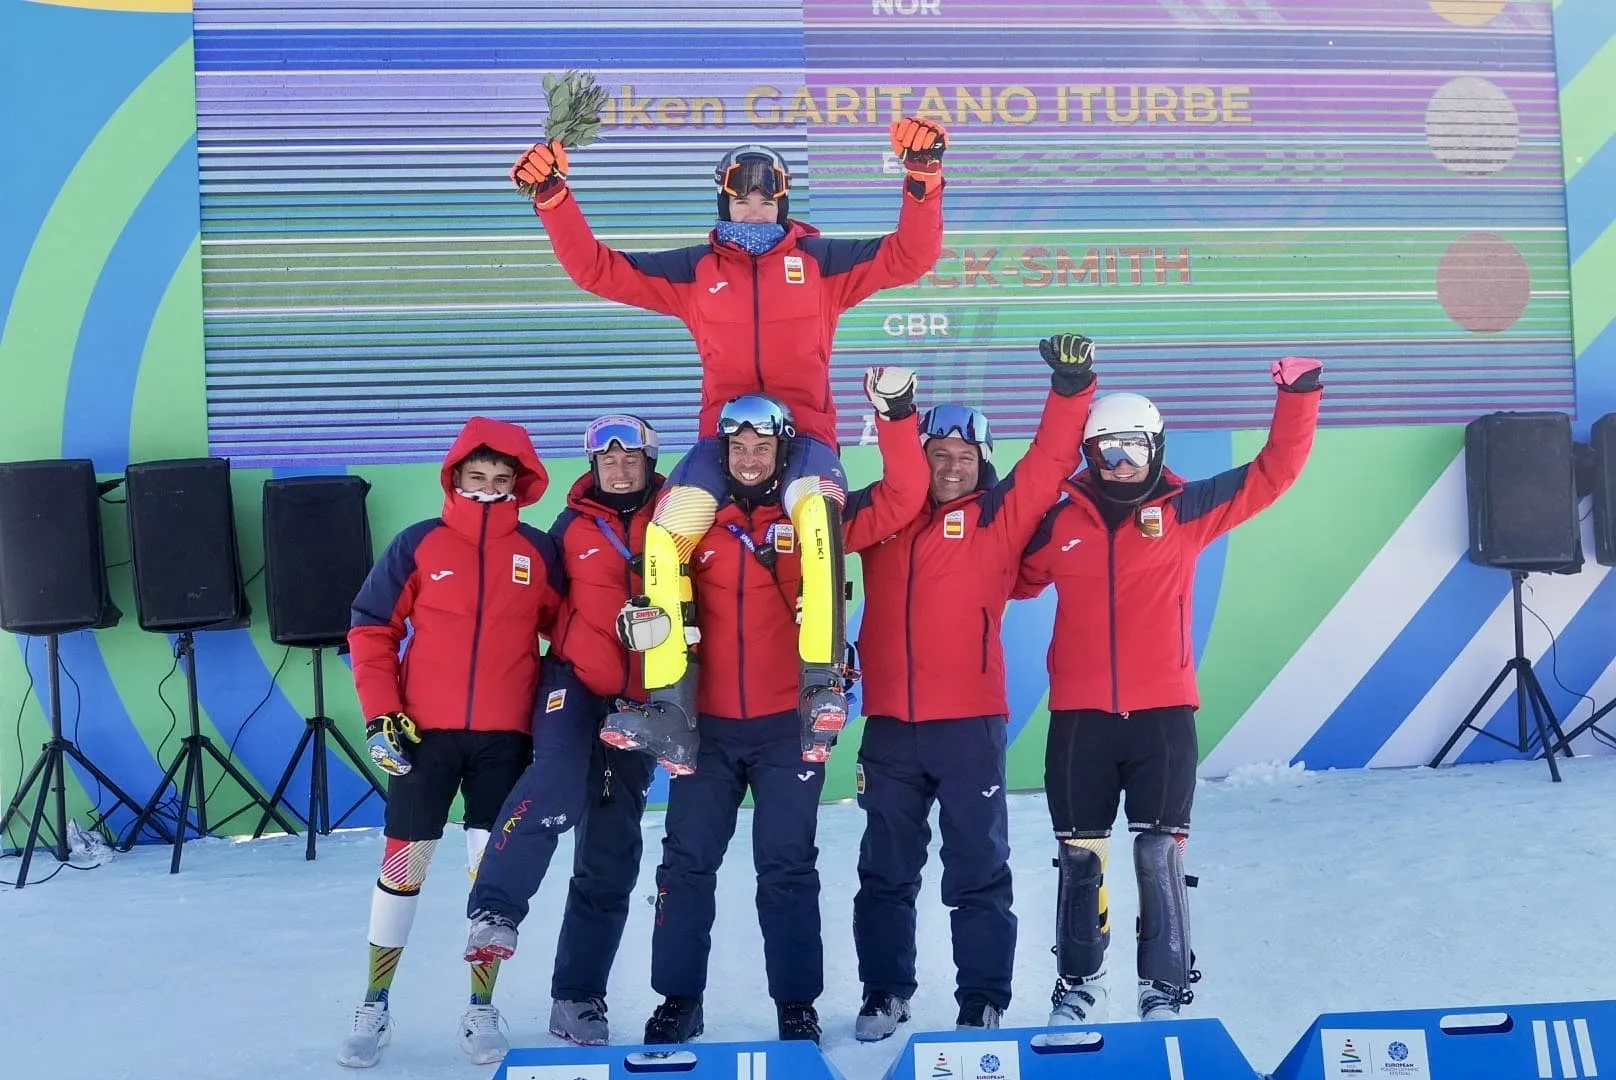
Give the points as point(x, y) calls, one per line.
point(1113, 414)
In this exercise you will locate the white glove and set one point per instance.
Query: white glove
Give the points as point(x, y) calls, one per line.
point(642, 626)
point(891, 390)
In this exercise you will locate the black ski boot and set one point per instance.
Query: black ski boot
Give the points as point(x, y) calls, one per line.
point(798, 1021)
point(676, 1020)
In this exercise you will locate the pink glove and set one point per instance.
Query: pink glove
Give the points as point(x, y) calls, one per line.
point(1298, 374)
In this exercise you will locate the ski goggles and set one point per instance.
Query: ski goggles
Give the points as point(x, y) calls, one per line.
point(959, 421)
point(753, 168)
point(628, 432)
point(1124, 447)
point(763, 415)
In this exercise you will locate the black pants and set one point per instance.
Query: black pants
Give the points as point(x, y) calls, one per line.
point(1147, 758)
point(481, 765)
point(902, 770)
point(574, 782)
point(764, 755)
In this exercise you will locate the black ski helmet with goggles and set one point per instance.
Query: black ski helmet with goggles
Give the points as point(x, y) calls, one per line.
point(765, 416)
point(749, 168)
point(1125, 428)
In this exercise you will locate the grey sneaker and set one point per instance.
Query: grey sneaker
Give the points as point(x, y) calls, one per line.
point(880, 1016)
point(372, 1028)
point(582, 1022)
point(491, 937)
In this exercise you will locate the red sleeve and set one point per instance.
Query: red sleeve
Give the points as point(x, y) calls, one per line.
point(875, 512)
point(1213, 506)
point(596, 268)
point(1035, 483)
point(377, 628)
point(1033, 578)
point(901, 257)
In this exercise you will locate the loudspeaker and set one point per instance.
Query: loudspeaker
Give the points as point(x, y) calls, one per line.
point(182, 539)
point(53, 571)
point(1602, 440)
point(316, 555)
point(1520, 482)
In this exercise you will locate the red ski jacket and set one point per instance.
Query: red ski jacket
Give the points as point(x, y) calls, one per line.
point(748, 612)
point(600, 550)
point(1122, 615)
point(761, 323)
point(476, 588)
point(937, 586)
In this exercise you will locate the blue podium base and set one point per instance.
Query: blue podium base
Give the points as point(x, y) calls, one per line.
point(1198, 1049)
point(1492, 1042)
point(690, 1061)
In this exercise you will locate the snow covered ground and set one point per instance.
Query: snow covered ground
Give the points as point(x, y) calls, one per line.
point(1319, 892)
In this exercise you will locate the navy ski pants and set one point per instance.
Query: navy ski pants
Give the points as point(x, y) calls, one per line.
point(765, 756)
point(903, 769)
point(575, 782)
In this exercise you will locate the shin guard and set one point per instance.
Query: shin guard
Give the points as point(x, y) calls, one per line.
point(1082, 923)
point(821, 635)
point(1164, 910)
point(667, 585)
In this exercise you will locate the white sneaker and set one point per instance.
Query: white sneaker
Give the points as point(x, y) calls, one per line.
point(1078, 1001)
point(481, 1037)
point(372, 1028)
point(1159, 1000)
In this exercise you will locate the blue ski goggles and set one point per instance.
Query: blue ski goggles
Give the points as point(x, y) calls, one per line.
point(1123, 447)
point(753, 168)
point(958, 421)
point(627, 432)
point(763, 415)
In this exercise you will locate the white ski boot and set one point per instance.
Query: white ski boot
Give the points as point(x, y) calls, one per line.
point(372, 1028)
point(480, 1035)
point(1160, 1001)
point(1078, 1001)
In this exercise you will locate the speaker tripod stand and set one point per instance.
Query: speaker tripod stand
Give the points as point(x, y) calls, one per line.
point(316, 730)
point(50, 771)
point(1529, 696)
point(193, 791)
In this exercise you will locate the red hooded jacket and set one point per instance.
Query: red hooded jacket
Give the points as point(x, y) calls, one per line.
point(748, 652)
point(937, 587)
point(1122, 615)
point(762, 323)
point(476, 587)
point(599, 549)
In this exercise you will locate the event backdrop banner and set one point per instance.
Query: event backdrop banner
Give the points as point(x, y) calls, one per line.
point(282, 232)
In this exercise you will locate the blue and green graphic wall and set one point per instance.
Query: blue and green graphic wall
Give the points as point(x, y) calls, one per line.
point(281, 232)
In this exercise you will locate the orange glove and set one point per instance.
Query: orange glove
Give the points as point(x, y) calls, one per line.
point(543, 168)
point(920, 143)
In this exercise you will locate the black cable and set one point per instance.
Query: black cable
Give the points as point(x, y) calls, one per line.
point(1554, 670)
point(231, 753)
point(256, 574)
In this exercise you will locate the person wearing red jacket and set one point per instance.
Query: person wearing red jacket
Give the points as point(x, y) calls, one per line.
point(761, 298)
point(575, 779)
point(1120, 549)
point(471, 590)
point(747, 573)
point(934, 696)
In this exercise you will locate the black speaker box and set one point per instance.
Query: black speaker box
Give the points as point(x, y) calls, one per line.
point(1520, 483)
point(53, 572)
point(316, 555)
point(1602, 440)
point(182, 539)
